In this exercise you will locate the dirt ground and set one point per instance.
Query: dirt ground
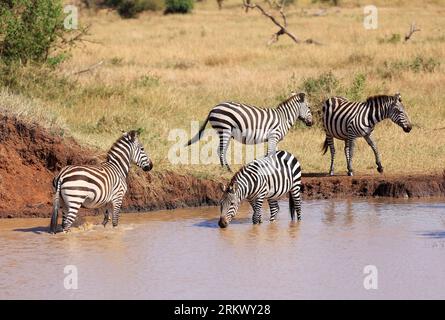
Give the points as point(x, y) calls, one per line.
point(30, 156)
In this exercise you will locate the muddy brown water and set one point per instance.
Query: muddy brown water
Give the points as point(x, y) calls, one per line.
point(182, 254)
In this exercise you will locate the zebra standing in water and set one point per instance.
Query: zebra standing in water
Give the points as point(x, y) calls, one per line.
point(267, 178)
point(95, 186)
point(347, 120)
point(251, 125)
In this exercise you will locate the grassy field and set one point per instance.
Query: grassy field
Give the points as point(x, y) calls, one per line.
point(162, 72)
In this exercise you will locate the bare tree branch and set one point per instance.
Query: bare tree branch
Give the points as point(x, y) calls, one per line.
point(282, 26)
point(411, 31)
point(90, 68)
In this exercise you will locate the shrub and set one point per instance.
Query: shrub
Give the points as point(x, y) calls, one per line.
point(391, 69)
point(422, 64)
point(356, 91)
point(178, 6)
point(318, 89)
point(29, 30)
point(394, 38)
point(132, 8)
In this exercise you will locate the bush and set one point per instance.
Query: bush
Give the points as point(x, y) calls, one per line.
point(326, 84)
point(29, 29)
point(356, 91)
point(318, 89)
point(392, 69)
point(394, 38)
point(132, 8)
point(178, 6)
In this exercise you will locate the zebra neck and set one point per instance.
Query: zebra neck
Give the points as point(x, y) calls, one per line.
point(378, 111)
point(120, 160)
point(289, 113)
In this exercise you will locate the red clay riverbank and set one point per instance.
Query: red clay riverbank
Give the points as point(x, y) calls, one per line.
point(30, 156)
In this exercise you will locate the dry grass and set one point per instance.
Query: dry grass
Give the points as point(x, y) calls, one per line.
point(161, 72)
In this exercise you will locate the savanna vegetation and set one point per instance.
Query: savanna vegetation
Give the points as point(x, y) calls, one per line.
point(161, 71)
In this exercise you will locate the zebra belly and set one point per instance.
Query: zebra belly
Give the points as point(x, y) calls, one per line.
point(276, 193)
point(250, 136)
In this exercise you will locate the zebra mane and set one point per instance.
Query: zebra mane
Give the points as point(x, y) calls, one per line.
point(233, 180)
point(381, 97)
point(295, 96)
point(121, 138)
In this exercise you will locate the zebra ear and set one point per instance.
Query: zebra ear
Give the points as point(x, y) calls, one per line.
point(398, 96)
point(222, 187)
point(132, 134)
point(302, 95)
point(235, 187)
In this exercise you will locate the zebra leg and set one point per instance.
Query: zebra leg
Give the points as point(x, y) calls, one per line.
point(274, 208)
point(349, 151)
point(373, 146)
point(295, 203)
point(272, 145)
point(256, 205)
point(331, 145)
point(116, 210)
point(224, 139)
point(106, 217)
point(69, 215)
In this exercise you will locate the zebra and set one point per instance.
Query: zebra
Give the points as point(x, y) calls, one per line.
point(94, 186)
point(268, 178)
point(347, 120)
point(251, 125)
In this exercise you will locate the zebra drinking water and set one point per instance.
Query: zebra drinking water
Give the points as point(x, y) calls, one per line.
point(94, 186)
point(347, 120)
point(251, 125)
point(267, 178)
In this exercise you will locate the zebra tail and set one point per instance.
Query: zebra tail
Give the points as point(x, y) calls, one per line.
point(291, 207)
point(325, 146)
point(56, 204)
point(198, 135)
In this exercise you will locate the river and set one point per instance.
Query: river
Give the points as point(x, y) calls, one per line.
point(182, 254)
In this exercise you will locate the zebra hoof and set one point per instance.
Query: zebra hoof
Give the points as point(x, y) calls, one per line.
point(350, 173)
point(380, 169)
point(331, 173)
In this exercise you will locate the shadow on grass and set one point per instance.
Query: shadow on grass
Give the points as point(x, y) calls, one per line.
point(36, 230)
point(213, 223)
point(434, 234)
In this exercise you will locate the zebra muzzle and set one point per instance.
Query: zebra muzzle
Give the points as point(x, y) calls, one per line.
point(223, 223)
point(148, 167)
point(407, 128)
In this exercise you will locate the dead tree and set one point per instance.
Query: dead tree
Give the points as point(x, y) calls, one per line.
point(281, 25)
point(411, 31)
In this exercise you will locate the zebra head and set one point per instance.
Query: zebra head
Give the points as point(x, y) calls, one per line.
point(138, 155)
point(398, 114)
point(305, 114)
point(229, 204)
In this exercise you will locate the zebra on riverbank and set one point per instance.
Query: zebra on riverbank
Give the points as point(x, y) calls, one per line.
point(267, 178)
point(94, 186)
point(348, 120)
point(252, 125)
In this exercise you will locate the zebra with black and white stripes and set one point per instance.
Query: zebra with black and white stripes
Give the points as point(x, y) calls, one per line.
point(94, 186)
point(268, 178)
point(252, 125)
point(347, 120)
